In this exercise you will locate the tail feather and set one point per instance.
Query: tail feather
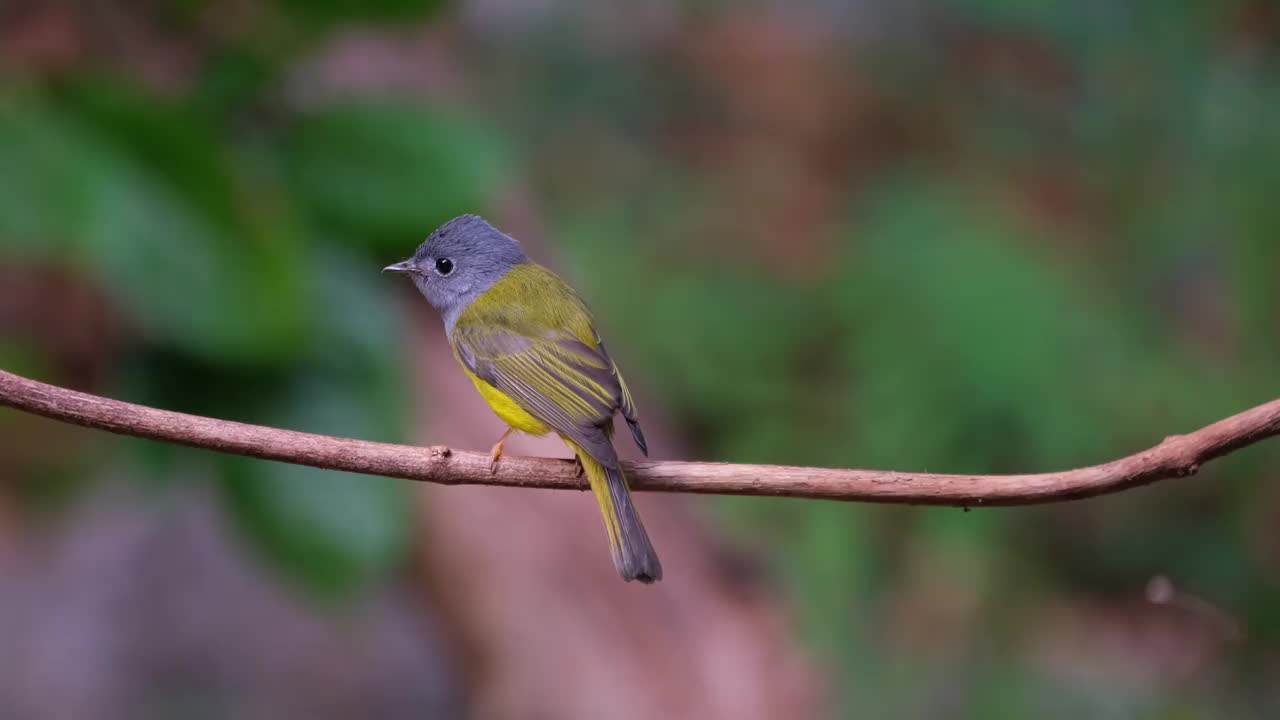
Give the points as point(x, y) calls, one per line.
point(633, 554)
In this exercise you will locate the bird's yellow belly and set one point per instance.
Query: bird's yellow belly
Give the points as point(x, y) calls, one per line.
point(506, 408)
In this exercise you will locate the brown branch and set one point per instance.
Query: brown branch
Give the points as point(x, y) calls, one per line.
point(1176, 456)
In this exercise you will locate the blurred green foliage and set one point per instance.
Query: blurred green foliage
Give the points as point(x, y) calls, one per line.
point(955, 327)
point(241, 242)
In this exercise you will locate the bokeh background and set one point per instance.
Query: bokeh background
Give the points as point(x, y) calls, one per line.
point(969, 236)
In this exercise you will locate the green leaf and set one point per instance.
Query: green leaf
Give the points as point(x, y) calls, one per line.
point(171, 141)
point(331, 532)
point(387, 174)
point(184, 282)
point(45, 179)
point(1034, 363)
point(325, 13)
point(184, 274)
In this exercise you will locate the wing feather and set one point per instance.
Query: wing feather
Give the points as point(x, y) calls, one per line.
point(561, 381)
point(550, 362)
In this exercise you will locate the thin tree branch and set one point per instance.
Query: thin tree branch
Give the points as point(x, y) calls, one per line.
point(1176, 456)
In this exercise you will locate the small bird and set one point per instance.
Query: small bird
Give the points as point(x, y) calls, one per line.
point(528, 343)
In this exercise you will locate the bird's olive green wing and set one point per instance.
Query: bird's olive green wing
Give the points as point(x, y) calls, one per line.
point(550, 361)
point(628, 406)
point(559, 380)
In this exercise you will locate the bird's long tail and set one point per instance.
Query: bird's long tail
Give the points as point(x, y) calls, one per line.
point(633, 554)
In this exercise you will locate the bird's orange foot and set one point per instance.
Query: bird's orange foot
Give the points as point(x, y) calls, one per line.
point(496, 454)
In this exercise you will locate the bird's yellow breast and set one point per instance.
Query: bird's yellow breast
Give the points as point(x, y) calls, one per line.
point(506, 408)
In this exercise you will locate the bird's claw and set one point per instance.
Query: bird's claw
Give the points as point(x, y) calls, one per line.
point(494, 456)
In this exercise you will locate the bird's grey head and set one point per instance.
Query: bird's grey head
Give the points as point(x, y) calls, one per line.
point(459, 261)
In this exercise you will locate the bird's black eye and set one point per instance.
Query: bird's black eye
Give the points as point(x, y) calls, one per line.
point(444, 266)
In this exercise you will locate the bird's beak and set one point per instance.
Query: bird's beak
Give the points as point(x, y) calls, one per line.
point(400, 267)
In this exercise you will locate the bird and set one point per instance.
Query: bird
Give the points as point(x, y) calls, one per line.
point(528, 343)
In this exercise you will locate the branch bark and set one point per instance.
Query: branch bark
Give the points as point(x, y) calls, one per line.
point(1176, 456)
